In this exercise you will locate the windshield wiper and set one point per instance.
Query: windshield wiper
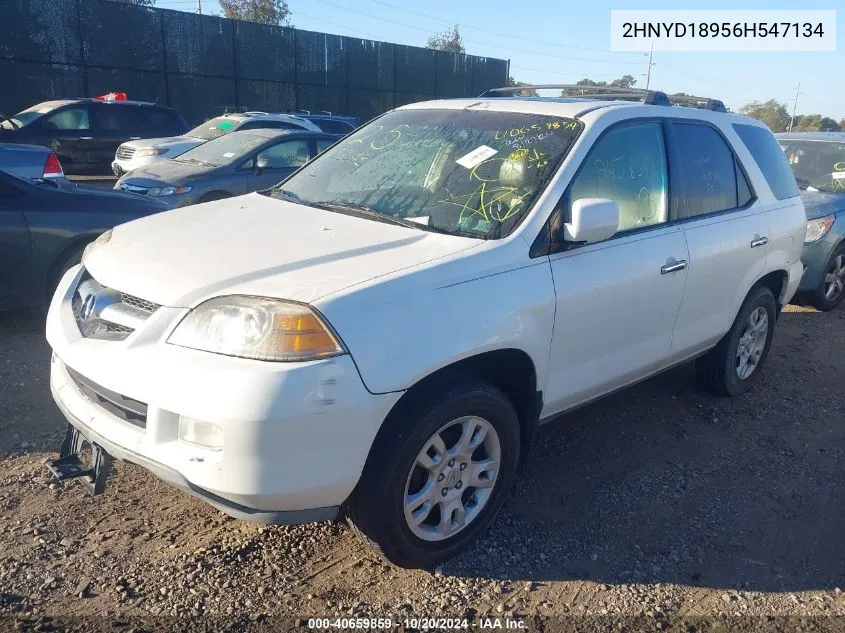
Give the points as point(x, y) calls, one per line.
point(276, 191)
point(195, 161)
point(363, 211)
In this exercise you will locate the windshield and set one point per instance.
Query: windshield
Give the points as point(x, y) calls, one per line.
point(222, 150)
point(213, 128)
point(817, 164)
point(473, 173)
point(27, 116)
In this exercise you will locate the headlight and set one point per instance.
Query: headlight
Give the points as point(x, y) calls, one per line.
point(818, 228)
point(257, 328)
point(104, 238)
point(150, 151)
point(167, 191)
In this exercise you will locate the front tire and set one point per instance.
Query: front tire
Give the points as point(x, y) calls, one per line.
point(734, 365)
point(831, 291)
point(437, 473)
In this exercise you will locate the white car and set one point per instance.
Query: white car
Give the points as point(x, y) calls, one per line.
point(140, 152)
point(384, 331)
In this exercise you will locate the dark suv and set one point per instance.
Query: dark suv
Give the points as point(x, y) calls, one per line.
point(86, 132)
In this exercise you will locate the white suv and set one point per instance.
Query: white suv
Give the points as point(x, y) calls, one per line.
point(384, 331)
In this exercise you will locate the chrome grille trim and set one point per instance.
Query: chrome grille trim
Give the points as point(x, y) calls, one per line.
point(125, 153)
point(136, 302)
point(105, 313)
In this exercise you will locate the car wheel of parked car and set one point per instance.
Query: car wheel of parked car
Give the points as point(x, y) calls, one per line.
point(437, 473)
point(733, 366)
point(831, 291)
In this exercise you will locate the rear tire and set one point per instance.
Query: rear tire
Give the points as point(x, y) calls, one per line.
point(831, 290)
point(416, 504)
point(734, 365)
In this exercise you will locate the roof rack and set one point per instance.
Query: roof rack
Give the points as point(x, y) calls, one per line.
point(650, 97)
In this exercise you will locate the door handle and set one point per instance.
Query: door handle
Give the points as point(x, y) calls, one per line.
point(759, 241)
point(674, 267)
point(85, 138)
point(134, 138)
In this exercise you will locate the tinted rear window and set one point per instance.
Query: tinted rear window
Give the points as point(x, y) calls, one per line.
point(770, 158)
point(333, 126)
point(708, 171)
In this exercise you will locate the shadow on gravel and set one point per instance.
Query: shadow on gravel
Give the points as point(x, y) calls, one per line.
point(665, 483)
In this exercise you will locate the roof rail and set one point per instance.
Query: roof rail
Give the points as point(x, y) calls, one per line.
point(650, 97)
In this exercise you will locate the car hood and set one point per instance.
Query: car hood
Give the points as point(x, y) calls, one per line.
point(169, 172)
point(167, 141)
point(256, 245)
point(101, 198)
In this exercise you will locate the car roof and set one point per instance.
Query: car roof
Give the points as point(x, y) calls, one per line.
point(832, 137)
point(274, 132)
point(574, 107)
point(63, 102)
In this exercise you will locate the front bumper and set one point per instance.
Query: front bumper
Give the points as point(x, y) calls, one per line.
point(816, 256)
point(295, 435)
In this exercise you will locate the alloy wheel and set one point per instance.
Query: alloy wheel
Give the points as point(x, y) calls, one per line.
point(452, 478)
point(752, 342)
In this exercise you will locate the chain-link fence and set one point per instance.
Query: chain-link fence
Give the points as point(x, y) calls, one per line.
point(204, 65)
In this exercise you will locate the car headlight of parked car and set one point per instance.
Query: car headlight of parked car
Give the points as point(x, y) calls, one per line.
point(102, 239)
point(167, 191)
point(258, 328)
point(818, 228)
point(150, 151)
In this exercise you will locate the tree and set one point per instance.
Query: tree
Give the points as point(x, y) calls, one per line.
point(625, 81)
point(530, 92)
point(264, 11)
point(449, 40)
point(771, 112)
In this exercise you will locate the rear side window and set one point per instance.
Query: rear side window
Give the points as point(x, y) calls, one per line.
point(117, 117)
point(707, 171)
point(770, 158)
point(333, 126)
point(165, 121)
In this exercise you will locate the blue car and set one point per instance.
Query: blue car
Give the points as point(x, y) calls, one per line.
point(818, 162)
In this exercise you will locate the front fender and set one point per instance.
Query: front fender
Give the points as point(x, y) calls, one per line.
point(396, 343)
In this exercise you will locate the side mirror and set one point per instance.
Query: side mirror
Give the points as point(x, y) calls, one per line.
point(592, 220)
point(261, 163)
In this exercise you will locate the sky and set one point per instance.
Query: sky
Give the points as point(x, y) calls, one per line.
point(558, 41)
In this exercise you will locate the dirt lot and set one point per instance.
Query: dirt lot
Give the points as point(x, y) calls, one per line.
point(660, 508)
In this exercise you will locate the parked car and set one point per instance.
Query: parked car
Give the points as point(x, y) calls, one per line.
point(230, 165)
point(135, 154)
point(44, 228)
point(85, 133)
point(30, 161)
point(386, 329)
point(818, 162)
point(331, 123)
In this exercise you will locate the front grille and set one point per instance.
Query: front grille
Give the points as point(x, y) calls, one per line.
point(132, 411)
point(106, 313)
point(125, 152)
point(141, 304)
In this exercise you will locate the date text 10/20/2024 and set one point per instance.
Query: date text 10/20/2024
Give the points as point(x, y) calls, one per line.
point(419, 624)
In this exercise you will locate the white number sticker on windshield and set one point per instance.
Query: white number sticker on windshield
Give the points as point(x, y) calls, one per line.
point(838, 175)
point(476, 156)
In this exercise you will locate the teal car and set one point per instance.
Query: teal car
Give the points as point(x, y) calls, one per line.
point(818, 162)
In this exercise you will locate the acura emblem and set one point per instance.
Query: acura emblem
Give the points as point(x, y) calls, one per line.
point(87, 308)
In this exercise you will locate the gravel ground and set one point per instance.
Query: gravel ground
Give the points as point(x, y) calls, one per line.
point(659, 508)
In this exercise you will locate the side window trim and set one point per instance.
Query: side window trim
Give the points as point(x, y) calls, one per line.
point(544, 244)
point(674, 155)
